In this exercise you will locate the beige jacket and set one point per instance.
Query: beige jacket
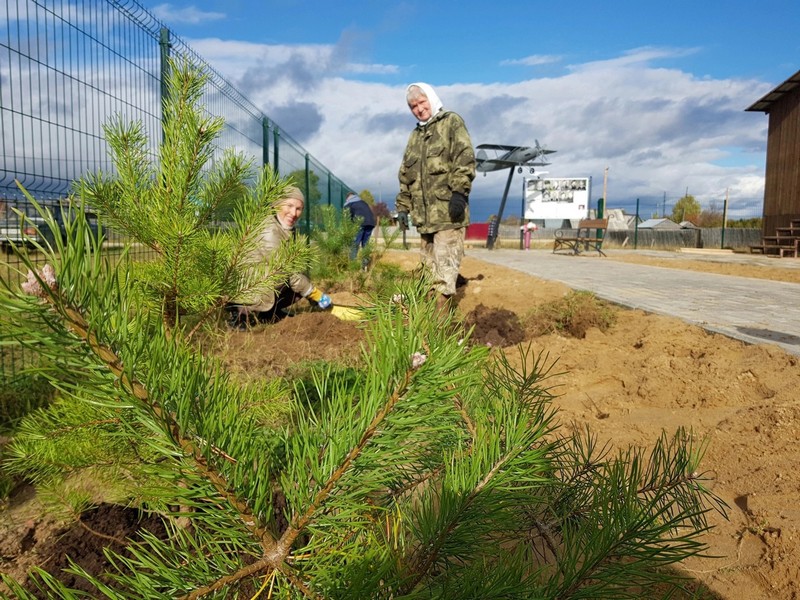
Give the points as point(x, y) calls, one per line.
point(272, 235)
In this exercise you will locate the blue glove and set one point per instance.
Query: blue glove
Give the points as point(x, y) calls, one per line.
point(325, 302)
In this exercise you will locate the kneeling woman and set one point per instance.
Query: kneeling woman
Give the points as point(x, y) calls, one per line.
point(270, 306)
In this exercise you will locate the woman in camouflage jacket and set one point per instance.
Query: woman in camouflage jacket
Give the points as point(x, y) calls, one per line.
point(435, 181)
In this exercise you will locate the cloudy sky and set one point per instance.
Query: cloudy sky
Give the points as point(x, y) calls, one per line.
point(648, 99)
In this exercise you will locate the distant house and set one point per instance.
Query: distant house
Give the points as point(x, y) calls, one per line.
point(659, 224)
point(687, 225)
point(782, 177)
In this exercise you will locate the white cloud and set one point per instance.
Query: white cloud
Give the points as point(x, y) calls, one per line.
point(642, 57)
point(189, 14)
point(532, 61)
point(658, 130)
point(235, 59)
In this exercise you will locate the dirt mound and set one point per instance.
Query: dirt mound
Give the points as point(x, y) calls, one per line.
point(496, 327)
point(273, 350)
point(49, 544)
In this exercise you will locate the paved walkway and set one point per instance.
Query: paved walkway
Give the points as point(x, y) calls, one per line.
point(752, 310)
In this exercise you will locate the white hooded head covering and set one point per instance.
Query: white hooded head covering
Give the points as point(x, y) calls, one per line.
point(433, 99)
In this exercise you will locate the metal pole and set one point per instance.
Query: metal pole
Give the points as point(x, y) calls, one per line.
point(601, 209)
point(724, 219)
point(523, 228)
point(265, 141)
point(308, 196)
point(492, 238)
point(276, 136)
point(636, 227)
point(164, 46)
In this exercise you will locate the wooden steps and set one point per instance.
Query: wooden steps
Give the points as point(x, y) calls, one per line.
point(785, 242)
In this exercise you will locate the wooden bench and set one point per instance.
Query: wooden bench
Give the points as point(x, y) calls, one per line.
point(588, 236)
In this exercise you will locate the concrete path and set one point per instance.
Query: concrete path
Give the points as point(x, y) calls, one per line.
point(753, 310)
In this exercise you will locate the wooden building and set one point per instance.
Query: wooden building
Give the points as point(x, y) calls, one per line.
point(782, 177)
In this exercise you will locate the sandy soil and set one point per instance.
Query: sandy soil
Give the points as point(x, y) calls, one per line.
point(650, 373)
point(645, 374)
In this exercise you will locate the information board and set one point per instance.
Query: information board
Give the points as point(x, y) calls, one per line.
point(557, 198)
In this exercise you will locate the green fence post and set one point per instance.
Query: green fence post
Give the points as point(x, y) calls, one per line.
point(308, 192)
point(276, 134)
point(724, 221)
point(265, 141)
point(164, 46)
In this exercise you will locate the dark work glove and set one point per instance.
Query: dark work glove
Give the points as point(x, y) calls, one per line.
point(457, 207)
point(402, 220)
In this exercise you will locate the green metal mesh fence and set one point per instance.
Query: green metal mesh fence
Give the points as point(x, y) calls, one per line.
point(67, 67)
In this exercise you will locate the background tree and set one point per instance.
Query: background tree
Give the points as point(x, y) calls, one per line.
point(382, 211)
point(710, 217)
point(750, 223)
point(686, 209)
point(313, 194)
point(367, 196)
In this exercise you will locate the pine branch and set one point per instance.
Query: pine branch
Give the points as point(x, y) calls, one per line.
point(299, 522)
point(48, 290)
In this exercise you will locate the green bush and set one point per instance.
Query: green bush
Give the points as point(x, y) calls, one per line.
point(333, 241)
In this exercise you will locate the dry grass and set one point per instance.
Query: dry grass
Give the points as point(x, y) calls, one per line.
point(572, 315)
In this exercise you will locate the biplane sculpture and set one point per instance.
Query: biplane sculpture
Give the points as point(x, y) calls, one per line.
point(508, 157)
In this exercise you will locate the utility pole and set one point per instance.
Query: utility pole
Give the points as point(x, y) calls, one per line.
point(725, 211)
point(605, 186)
point(724, 220)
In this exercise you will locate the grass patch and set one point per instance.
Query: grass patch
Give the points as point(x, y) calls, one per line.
point(572, 315)
point(20, 396)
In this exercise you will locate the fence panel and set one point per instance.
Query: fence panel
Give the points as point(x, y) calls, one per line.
point(67, 67)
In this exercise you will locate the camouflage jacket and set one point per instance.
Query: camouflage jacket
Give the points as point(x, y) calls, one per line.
point(438, 161)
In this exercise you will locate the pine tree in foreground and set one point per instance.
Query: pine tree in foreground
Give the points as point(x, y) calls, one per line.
point(439, 471)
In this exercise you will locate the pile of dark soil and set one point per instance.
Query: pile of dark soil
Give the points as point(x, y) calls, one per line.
point(51, 545)
point(496, 327)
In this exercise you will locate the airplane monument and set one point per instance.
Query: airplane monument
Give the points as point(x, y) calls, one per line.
point(512, 158)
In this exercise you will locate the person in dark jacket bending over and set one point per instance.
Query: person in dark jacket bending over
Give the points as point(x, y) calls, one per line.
point(435, 181)
point(360, 210)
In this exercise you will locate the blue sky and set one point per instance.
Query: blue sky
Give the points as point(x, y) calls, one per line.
point(654, 92)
